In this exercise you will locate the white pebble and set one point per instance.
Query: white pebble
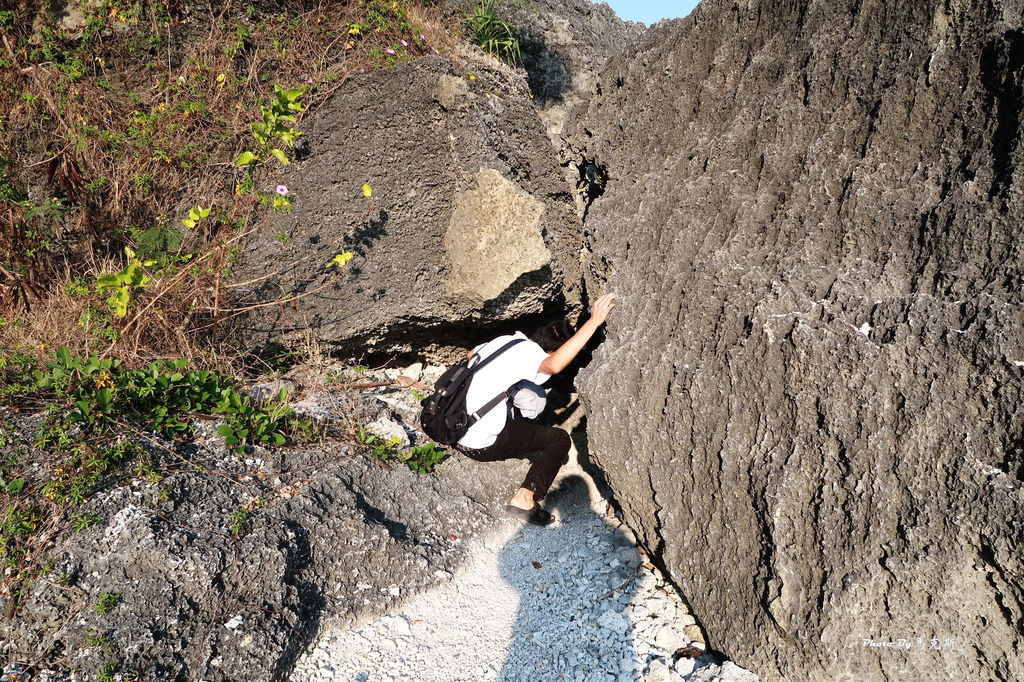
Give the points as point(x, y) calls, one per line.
point(684, 666)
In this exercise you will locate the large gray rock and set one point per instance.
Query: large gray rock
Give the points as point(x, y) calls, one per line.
point(812, 216)
point(565, 44)
point(208, 591)
point(472, 222)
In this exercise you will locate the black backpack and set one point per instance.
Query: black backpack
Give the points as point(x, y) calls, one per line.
point(444, 417)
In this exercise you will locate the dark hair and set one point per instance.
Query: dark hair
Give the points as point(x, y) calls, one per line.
point(552, 335)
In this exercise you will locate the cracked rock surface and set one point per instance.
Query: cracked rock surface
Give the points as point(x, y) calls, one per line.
point(809, 401)
point(207, 594)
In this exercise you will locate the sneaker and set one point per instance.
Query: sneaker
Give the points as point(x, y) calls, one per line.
point(536, 516)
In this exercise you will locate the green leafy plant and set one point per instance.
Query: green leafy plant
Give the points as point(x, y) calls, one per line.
point(492, 34)
point(159, 243)
point(365, 437)
point(249, 424)
point(122, 284)
point(281, 202)
point(81, 473)
point(385, 450)
point(387, 16)
point(241, 518)
point(87, 384)
point(83, 521)
point(14, 486)
point(423, 458)
point(77, 286)
point(164, 395)
point(195, 215)
point(15, 379)
point(161, 397)
point(107, 601)
point(145, 470)
point(19, 524)
point(97, 397)
point(106, 672)
point(274, 128)
point(240, 522)
point(93, 638)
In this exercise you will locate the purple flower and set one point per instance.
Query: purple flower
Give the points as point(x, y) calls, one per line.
point(428, 25)
point(422, 37)
point(309, 81)
point(282, 190)
point(390, 51)
point(404, 44)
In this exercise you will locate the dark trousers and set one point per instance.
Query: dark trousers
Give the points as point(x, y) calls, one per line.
point(521, 437)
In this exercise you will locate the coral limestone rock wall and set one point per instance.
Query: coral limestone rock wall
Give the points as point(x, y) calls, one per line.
point(812, 216)
point(472, 220)
point(565, 45)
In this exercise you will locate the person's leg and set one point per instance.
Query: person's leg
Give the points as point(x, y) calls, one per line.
point(552, 445)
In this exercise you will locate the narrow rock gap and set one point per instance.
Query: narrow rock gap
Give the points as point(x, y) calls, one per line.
point(591, 184)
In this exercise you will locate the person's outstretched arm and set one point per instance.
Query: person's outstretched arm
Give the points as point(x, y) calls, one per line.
point(565, 354)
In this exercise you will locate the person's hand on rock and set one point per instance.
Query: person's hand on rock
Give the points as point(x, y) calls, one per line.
point(602, 306)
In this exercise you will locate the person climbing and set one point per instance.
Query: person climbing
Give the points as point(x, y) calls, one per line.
point(495, 436)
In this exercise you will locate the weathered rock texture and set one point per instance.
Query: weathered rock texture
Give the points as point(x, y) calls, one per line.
point(461, 170)
point(493, 237)
point(565, 44)
point(211, 591)
point(812, 217)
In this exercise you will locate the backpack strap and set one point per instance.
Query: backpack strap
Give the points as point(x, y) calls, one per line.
point(480, 365)
point(501, 397)
point(494, 402)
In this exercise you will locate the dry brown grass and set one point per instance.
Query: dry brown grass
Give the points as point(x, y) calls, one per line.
point(82, 323)
point(130, 123)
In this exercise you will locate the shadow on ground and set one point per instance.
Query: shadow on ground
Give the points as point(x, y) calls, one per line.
point(575, 582)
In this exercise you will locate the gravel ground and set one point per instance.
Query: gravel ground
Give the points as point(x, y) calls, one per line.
point(575, 601)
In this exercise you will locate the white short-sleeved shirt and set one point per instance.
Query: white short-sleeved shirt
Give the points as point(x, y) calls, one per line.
point(519, 362)
point(530, 399)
